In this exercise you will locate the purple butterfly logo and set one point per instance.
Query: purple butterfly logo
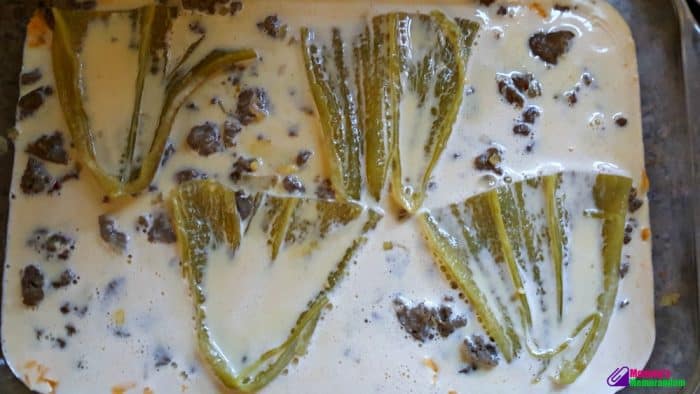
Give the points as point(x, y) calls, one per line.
point(620, 377)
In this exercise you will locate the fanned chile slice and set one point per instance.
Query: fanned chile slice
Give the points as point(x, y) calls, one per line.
point(379, 93)
point(408, 74)
point(206, 219)
point(514, 242)
point(431, 62)
point(154, 23)
point(328, 69)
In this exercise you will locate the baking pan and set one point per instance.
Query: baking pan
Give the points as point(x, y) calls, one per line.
point(668, 51)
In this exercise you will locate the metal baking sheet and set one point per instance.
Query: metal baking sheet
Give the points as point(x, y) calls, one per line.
point(668, 51)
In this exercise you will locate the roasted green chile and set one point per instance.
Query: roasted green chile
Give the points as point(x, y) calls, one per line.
point(329, 78)
point(517, 230)
point(407, 68)
point(610, 194)
point(380, 95)
point(432, 84)
point(154, 23)
point(206, 217)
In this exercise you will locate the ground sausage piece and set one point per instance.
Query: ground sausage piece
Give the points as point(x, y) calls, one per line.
point(189, 175)
point(303, 157)
point(445, 323)
point(489, 161)
point(522, 129)
point(51, 245)
point(526, 83)
point(253, 105)
point(620, 121)
point(550, 46)
point(36, 178)
point(423, 322)
point(235, 7)
point(531, 114)
point(59, 245)
point(634, 203)
point(521, 81)
point(49, 148)
point(162, 230)
point(66, 278)
point(416, 320)
point(628, 234)
point(479, 353)
point(240, 167)
point(232, 127)
point(293, 184)
point(205, 139)
point(511, 94)
point(273, 27)
point(516, 85)
point(70, 330)
point(32, 285)
point(30, 77)
point(110, 234)
point(30, 102)
point(244, 204)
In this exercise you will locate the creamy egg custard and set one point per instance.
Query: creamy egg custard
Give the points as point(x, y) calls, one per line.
point(328, 196)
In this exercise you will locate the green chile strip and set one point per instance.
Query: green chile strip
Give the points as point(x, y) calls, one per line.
point(382, 73)
point(328, 76)
point(70, 28)
point(610, 195)
point(555, 235)
point(443, 70)
point(368, 117)
point(455, 261)
point(205, 215)
point(492, 230)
